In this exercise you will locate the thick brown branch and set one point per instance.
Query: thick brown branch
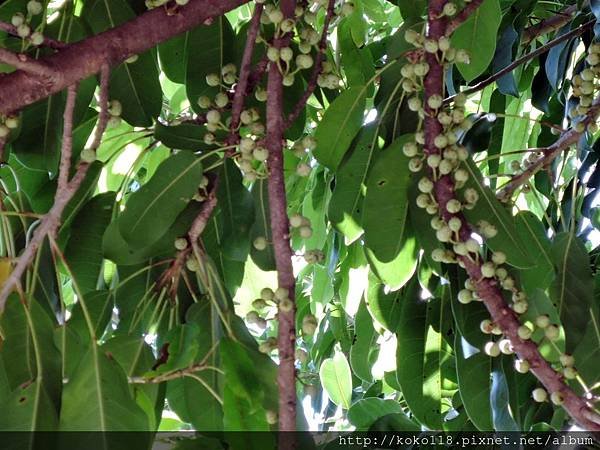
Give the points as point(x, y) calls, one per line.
point(49, 224)
point(245, 71)
point(462, 15)
point(67, 139)
point(23, 62)
point(548, 155)
point(487, 288)
point(85, 58)
point(280, 229)
point(318, 68)
point(523, 59)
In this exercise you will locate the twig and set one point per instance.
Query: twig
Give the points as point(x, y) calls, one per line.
point(318, 68)
point(551, 23)
point(203, 217)
point(48, 42)
point(245, 70)
point(523, 59)
point(49, 224)
point(67, 140)
point(2, 148)
point(487, 288)
point(462, 15)
point(548, 155)
point(23, 62)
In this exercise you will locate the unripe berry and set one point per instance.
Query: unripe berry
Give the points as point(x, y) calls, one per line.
point(252, 317)
point(499, 258)
point(465, 296)
point(433, 161)
point(34, 7)
point(437, 255)
point(490, 231)
point(17, 19)
point(259, 304)
point(281, 293)
point(492, 349)
point(273, 54)
point(12, 122)
point(542, 321)
point(453, 206)
point(421, 69)
point(472, 245)
point(444, 234)
point(286, 305)
point(425, 185)
point(414, 103)
point(305, 232)
point(4, 131)
point(221, 100)
point(301, 355)
point(296, 220)
point(276, 16)
point(455, 224)
point(410, 149)
point(260, 243)
point(460, 249)
point(204, 102)
point(570, 373)
point(260, 154)
point(304, 61)
point(181, 243)
point(445, 167)
point(115, 108)
point(567, 360)
point(488, 270)
point(286, 54)
point(212, 79)
point(436, 223)
point(213, 116)
point(192, 264)
point(557, 398)
point(440, 141)
point(287, 25)
point(524, 332)
point(261, 95)
point(461, 175)
point(435, 101)
point(87, 155)
point(505, 347)
point(267, 294)
point(430, 46)
point(37, 38)
point(23, 30)
point(520, 307)
point(347, 9)
point(411, 36)
point(521, 366)
point(462, 56)
point(309, 324)
point(415, 165)
point(486, 326)
point(539, 395)
point(449, 9)
point(552, 332)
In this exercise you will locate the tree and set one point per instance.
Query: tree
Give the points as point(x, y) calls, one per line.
point(217, 209)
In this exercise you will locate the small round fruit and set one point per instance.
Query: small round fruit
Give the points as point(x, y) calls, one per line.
point(465, 296)
point(542, 321)
point(557, 398)
point(181, 243)
point(499, 258)
point(506, 347)
point(521, 366)
point(267, 294)
point(492, 349)
point(296, 220)
point(567, 360)
point(488, 270)
point(303, 170)
point(252, 317)
point(34, 7)
point(305, 232)
point(286, 305)
point(309, 324)
point(260, 243)
point(524, 332)
point(12, 122)
point(192, 264)
point(570, 373)
point(282, 293)
point(4, 131)
point(36, 38)
point(212, 79)
point(539, 395)
point(486, 326)
point(259, 304)
point(87, 155)
point(260, 154)
point(552, 332)
point(301, 355)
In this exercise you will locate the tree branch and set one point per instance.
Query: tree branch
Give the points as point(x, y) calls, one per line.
point(245, 71)
point(23, 62)
point(49, 224)
point(462, 15)
point(85, 58)
point(280, 230)
point(550, 24)
point(548, 155)
point(487, 288)
point(318, 68)
point(67, 139)
point(523, 59)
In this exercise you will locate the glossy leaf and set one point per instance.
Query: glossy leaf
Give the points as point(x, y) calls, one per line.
point(336, 379)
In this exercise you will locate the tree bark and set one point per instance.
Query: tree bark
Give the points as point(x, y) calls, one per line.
point(84, 58)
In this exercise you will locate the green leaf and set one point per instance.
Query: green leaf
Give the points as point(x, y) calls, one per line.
point(366, 411)
point(172, 55)
point(182, 343)
point(264, 259)
point(507, 239)
point(364, 350)
point(340, 124)
point(135, 84)
point(336, 379)
point(99, 308)
point(473, 368)
point(240, 372)
point(540, 304)
point(84, 248)
point(420, 356)
point(573, 289)
point(186, 136)
point(28, 408)
point(477, 35)
point(345, 206)
point(97, 398)
point(532, 230)
point(385, 206)
point(152, 209)
point(386, 307)
point(216, 42)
